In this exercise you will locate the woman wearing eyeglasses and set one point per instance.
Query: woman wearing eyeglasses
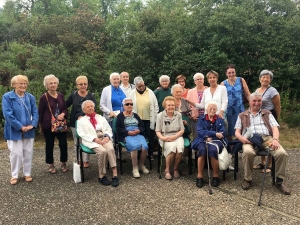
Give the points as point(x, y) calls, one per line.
point(21, 118)
point(130, 129)
point(169, 129)
point(76, 99)
point(55, 101)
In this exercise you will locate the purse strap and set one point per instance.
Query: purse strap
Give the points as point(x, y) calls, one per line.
point(48, 104)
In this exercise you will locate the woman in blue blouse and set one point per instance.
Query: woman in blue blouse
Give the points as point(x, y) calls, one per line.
point(21, 118)
point(111, 98)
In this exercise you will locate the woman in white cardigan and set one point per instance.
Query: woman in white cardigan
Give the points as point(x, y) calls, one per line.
point(146, 106)
point(96, 134)
point(111, 98)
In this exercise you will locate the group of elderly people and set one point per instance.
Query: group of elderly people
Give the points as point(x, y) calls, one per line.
point(215, 113)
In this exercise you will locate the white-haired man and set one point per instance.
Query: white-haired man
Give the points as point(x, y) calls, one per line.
point(261, 122)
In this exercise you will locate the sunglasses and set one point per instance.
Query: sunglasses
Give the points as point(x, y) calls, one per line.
point(85, 84)
point(167, 122)
point(128, 104)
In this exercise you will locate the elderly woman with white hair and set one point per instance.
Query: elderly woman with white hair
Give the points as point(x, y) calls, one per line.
point(96, 134)
point(271, 102)
point(130, 130)
point(163, 91)
point(111, 98)
point(195, 95)
point(146, 106)
point(21, 119)
point(210, 128)
point(53, 103)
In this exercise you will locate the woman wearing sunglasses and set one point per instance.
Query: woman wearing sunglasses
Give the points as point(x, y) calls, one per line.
point(130, 129)
point(75, 100)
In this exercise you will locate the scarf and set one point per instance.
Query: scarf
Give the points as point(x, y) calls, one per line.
point(92, 119)
point(213, 120)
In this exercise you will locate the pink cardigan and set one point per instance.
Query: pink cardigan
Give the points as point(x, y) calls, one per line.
point(192, 95)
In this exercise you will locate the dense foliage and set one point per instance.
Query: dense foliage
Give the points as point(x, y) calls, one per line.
point(150, 38)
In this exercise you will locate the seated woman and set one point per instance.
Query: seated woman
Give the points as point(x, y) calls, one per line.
point(130, 127)
point(210, 127)
point(169, 130)
point(96, 134)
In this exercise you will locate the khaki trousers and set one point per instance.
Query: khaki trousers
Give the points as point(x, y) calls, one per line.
point(105, 153)
point(279, 155)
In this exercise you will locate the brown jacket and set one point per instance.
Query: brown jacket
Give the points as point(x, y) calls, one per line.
point(245, 119)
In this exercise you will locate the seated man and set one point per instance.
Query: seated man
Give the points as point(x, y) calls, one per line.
point(96, 134)
point(261, 122)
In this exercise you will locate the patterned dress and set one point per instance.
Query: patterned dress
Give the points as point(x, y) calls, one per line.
point(235, 103)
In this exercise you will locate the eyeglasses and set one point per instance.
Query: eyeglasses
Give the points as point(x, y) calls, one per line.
point(167, 122)
point(140, 86)
point(128, 104)
point(198, 79)
point(83, 84)
point(24, 84)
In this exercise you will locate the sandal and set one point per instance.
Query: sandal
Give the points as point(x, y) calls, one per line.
point(52, 169)
point(13, 181)
point(268, 170)
point(64, 167)
point(168, 176)
point(28, 178)
point(86, 165)
point(259, 166)
point(176, 174)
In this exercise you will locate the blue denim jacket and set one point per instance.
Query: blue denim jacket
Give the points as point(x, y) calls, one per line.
point(12, 115)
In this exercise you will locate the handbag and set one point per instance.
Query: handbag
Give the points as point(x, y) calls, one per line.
point(57, 125)
point(244, 97)
point(76, 172)
point(224, 159)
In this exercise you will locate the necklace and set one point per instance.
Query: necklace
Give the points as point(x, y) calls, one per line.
point(231, 83)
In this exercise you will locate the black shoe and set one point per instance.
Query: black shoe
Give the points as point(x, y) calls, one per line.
point(199, 182)
point(115, 182)
point(104, 181)
point(215, 182)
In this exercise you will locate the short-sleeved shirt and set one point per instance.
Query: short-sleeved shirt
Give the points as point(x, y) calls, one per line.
point(257, 124)
point(169, 126)
point(267, 98)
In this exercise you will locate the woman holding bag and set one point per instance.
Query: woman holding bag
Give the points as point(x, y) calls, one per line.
point(53, 103)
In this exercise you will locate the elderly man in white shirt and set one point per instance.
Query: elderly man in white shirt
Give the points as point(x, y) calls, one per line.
point(261, 122)
point(125, 85)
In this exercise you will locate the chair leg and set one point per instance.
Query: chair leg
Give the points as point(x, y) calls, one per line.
point(159, 156)
point(236, 165)
point(224, 175)
point(150, 161)
point(81, 167)
point(190, 163)
point(120, 158)
point(273, 170)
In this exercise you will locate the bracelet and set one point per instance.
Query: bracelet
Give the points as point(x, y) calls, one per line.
point(275, 139)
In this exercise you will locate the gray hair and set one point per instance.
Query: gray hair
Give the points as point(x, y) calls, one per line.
point(138, 80)
point(266, 72)
point(212, 102)
point(48, 77)
point(164, 77)
point(175, 86)
point(85, 102)
point(114, 74)
point(254, 94)
point(126, 99)
point(198, 75)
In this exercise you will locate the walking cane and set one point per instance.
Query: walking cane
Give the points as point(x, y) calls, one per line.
point(208, 169)
point(264, 177)
point(161, 156)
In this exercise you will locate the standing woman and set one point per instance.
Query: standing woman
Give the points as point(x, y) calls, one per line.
point(180, 79)
point(195, 95)
point(111, 98)
point(235, 87)
point(55, 100)
point(76, 99)
point(271, 102)
point(21, 117)
point(163, 91)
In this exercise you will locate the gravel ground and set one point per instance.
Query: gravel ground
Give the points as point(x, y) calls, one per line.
point(56, 199)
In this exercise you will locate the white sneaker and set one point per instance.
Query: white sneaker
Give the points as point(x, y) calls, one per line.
point(136, 173)
point(231, 168)
point(144, 170)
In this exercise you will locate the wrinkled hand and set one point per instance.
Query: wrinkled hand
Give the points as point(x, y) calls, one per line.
point(245, 140)
point(27, 128)
point(61, 116)
point(275, 145)
point(131, 133)
point(170, 138)
point(221, 114)
point(209, 139)
point(185, 122)
point(112, 114)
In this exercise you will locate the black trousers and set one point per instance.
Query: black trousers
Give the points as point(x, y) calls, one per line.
point(149, 135)
point(62, 143)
